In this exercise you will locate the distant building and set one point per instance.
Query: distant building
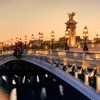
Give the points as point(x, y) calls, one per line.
point(97, 40)
point(78, 39)
point(62, 40)
point(36, 44)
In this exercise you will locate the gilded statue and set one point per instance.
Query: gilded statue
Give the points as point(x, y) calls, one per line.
point(71, 15)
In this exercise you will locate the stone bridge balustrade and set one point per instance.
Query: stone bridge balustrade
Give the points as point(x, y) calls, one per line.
point(75, 54)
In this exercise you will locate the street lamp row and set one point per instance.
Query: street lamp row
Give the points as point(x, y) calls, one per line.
point(52, 39)
point(41, 39)
point(67, 34)
point(32, 37)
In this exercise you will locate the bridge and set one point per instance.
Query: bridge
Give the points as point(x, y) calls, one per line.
point(80, 74)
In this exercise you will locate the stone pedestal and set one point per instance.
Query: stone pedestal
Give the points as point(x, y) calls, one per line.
point(98, 84)
point(76, 75)
point(86, 81)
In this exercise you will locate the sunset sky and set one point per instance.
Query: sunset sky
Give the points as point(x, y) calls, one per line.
point(25, 17)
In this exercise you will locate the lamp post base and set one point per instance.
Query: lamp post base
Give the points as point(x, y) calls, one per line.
point(67, 48)
point(85, 48)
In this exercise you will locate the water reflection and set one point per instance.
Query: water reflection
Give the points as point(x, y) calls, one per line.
point(13, 95)
point(4, 95)
point(43, 94)
point(47, 90)
point(61, 90)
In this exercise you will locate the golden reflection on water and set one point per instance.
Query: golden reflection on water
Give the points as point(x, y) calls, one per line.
point(4, 95)
point(13, 95)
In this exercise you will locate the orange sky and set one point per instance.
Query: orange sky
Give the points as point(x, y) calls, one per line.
point(25, 17)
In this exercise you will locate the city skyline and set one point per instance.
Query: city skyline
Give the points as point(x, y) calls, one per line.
point(26, 17)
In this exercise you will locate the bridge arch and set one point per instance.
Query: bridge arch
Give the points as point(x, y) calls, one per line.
point(62, 75)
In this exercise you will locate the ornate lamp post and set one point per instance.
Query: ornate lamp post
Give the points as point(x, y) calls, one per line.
point(41, 39)
point(97, 42)
point(66, 40)
point(85, 36)
point(32, 37)
point(20, 43)
point(52, 39)
point(4, 46)
point(16, 43)
point(11, 43)
point(25, 42)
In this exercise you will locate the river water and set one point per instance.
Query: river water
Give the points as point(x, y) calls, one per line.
point(55, 89)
